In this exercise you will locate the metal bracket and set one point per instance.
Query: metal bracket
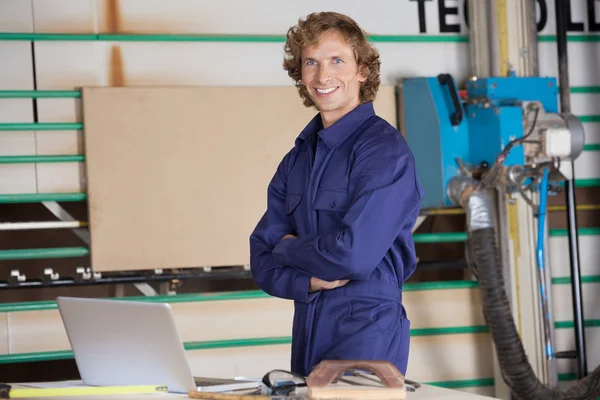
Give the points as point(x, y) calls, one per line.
point(63, 215)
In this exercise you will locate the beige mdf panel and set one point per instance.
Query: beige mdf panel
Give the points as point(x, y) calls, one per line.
point(71, 16)
point(443, 308)
point(15, 16)
point(562, 301)
point(432, 358)
point(450, 357)
point(559, 255)
point(233, 319)
point(4, 334)
point(195, 321)
point(36, 331)
point(251, 361)
point(488, 391)
point(177, 176)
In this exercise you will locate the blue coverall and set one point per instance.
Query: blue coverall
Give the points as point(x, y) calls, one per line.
point(352, 204)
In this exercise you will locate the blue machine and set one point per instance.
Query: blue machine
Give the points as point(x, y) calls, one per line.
point(502, 122)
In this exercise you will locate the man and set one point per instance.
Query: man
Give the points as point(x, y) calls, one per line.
point(336, 235)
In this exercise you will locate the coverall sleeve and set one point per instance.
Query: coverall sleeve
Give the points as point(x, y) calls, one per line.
point(272, 276)
point(385, 199)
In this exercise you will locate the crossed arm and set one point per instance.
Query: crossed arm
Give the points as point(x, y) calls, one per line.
point(384, 199)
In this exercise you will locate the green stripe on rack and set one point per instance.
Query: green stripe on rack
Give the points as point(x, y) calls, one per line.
point(175, 37)
point(592, 147)
point(224, 344)
point(569, 376)
point(592, 182)
point(36, 254)
point(39, 197)
point(585, 89)
point(213, 38)
point(242, 295)
point(41, 126)
point(565, 280)
point(443, 285)
point(570, 38)
point(443, 237)
point(40, 159)
point(47, 36)
point(464, 383)
point(38, 356)
point(589, 323)
point(589, 118)
point(451, 330)
point(39, 94)
point(581, 231)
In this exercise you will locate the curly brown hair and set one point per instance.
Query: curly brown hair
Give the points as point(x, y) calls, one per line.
point(310, 30)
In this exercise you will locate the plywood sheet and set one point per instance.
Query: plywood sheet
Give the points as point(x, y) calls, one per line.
point(177, 176)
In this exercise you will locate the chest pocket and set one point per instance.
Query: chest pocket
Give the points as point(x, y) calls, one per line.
point(331, 207)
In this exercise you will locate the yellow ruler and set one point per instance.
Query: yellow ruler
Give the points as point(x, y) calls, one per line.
point(31, 392)
point(501, 17)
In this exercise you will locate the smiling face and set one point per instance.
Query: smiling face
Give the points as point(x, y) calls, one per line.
point(332, 76)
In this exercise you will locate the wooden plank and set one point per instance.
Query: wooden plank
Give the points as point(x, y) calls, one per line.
point(177, 176)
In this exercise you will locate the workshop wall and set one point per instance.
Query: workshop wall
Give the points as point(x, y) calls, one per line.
point(410, 45)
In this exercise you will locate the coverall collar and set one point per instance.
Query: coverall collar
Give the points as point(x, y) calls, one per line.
point(335, 135)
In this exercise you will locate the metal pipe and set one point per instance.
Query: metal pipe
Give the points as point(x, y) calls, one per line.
point(529, 23)
point(23, 226)
point(565, 105)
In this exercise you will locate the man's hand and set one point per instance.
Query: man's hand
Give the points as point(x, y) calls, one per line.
point(317, 284)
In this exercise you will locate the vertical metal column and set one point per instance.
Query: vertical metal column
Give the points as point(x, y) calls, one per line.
point(479, 39)
point(509, 30)
point(565, 105)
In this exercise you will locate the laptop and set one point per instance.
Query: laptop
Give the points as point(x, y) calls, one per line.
point(120, 342)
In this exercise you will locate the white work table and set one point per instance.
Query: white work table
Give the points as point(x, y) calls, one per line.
point(425, 392)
